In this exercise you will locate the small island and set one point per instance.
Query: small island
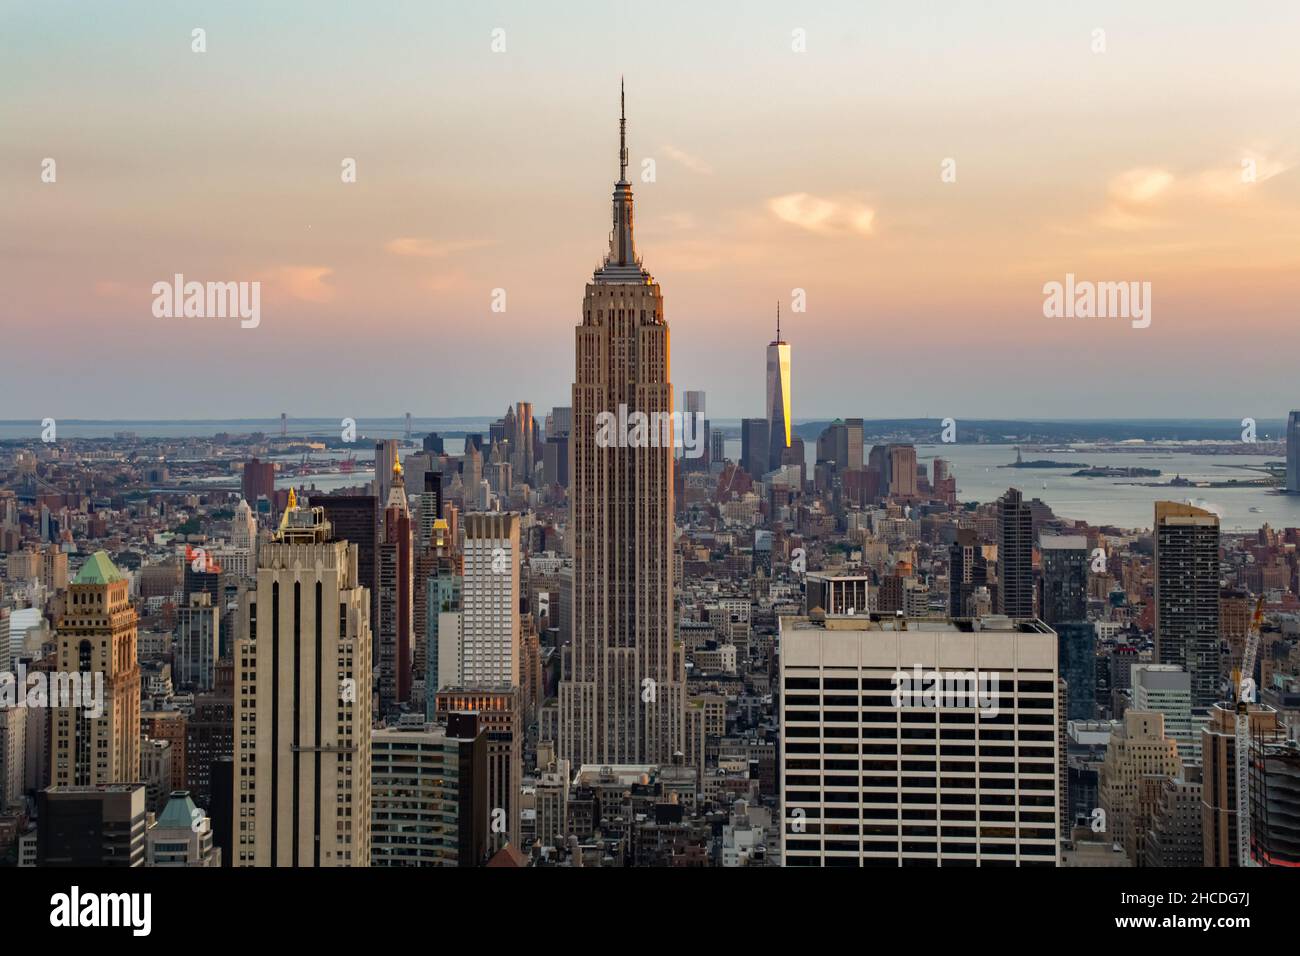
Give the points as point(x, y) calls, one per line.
point(1111, 472)
point(1041, 463)
point(1044, 463)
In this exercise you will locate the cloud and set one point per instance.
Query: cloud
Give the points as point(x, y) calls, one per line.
point(433, 248)
point(306, 283)
point(1140, 187)
point(1132, 196)
point(1229, 183)
point(821, 215)
point(692, 163)
point(1147, 196)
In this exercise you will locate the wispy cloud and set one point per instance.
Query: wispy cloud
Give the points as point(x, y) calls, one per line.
point(434, 248)
point(693, 163)
point(1150, 196)
point(306, 283)
point(823, 215)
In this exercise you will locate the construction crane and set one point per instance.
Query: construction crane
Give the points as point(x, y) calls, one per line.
point(1244, 681)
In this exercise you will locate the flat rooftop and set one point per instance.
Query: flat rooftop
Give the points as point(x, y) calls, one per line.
point(877, 621)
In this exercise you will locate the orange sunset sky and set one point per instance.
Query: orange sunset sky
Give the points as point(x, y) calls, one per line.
point(1173, 157)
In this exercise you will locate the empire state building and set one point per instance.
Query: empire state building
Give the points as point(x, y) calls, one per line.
point(621, 693)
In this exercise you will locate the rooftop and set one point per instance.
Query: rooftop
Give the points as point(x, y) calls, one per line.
point(98, 569)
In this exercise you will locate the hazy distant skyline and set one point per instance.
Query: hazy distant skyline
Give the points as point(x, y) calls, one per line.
point(775, 170)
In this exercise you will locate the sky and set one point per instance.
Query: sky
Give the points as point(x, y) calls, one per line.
point(920, 171)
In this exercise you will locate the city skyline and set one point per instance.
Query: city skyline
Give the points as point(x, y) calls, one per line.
point(815, 181)
point(724, 605)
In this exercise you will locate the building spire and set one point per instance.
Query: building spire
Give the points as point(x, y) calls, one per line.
point(778, 320)
point(622, 132)
point(622, 249)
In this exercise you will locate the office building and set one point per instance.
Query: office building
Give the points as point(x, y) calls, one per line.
point(198, 632)
point(1219, 804)
point(621, 698)
point(1140, 757)
point(1167, 689)
point(395, 574)
point(386, 462)
point(429, 797)
point(1174, 837)
point(490, 601)
point(1015, 556)
point(258, 481)
point(182, 836)
point(754, 441)
point(210, 736)
point(1077, 657)
point(1275, 804)
point(91, 826)
point(500, 719)
point(97, 636)
point(355, 519)
point(13, 756)
point(1187, 596)
point(967, 573)
point(303, 703)
point(779, 424)
point(1064, 594)
point(864, 732)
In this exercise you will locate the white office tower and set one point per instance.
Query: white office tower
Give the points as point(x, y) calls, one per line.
point(930, 743)
point(490, 601)
point(1167, 689)
point(243, 529)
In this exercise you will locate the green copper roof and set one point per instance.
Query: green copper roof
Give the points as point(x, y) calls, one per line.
point(179, 812)
point(98, 570)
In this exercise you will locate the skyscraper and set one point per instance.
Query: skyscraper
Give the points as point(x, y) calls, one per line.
point(695, 408)
point(522, 457)
point(98, 636)
point(429, 792)
point(386, 457)
point(1187, 596)
point(854, 684)
point(778, 397)
point(1015, 556)
point(490, 601)
point(1140, 755)
point(754, 442)
point(501, 718)
point(194, 659)
point(1064, 594)
point(1220, 805)
point(621, 697)
point(967, 572)
point(1293, 453)
point(394, 571)
point(355, 519)
point(258, 481)
point(302, 745)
